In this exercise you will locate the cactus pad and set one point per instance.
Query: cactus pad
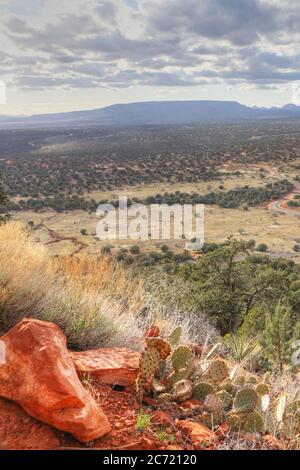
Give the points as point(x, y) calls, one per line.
point(175, 336)
point(218, 371)
point(229, 386)
point(251, 380)
point(262, 389)
point(161, 345)
point(253, 422)
point(235, 421)
point(182, 374)
point(182, 390)
point(149, 361)
point(212, 403)
point(267, 378)
point(180, 357)
point(213, 406)
point(240, 381)
point(225, 398)
point(245, 400)
point(202, 389)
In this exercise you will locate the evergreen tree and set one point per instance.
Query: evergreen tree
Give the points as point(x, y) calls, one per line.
point(278, 335)
point(3, 200)
point(3, 197)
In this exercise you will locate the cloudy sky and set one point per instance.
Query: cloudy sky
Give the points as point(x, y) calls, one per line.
point(61, 55)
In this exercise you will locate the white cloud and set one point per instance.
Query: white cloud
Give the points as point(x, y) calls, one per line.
point(105, 44)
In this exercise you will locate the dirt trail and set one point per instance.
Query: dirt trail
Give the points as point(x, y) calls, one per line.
point(56, 237)
point(282, 206)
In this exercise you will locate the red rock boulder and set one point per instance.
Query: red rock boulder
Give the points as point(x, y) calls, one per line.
point(200, 435)
point(40, 376)
point(113, 366)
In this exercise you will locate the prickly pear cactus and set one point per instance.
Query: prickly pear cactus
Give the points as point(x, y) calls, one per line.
point(294, 408)
point(292, 416)
point(225, 398)
point(149, 362)
point(213, 405)
point(253, 422)
point(235, 421)
point(175, 336)
point(210, 420)
point(240, 381)
point(180, 357)
point(245, 400)
point(251, 380)
point(293, 411)
point(218, 371)
point(281, 407)
point(267, 378)
point(262, 389)
point(162, 369)
point(202, 389)
point(182, 390)
point(182, 374)
point(161, 345)
point(229, 386)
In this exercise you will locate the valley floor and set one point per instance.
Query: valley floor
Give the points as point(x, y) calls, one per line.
point(274, 224)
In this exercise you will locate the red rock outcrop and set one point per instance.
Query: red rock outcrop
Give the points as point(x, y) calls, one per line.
point(40, 376)
point(114, 366)
point(18, 431)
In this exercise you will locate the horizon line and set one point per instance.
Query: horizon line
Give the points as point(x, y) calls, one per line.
point(143, 101)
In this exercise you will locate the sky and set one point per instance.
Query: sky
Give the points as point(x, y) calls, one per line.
point(63, 55)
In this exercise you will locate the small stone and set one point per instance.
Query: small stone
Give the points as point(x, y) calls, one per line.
point(199, 434)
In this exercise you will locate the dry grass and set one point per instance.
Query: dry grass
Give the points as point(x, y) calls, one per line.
point(92, 299)
point(97, 304)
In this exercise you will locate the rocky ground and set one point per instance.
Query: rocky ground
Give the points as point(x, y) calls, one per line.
point(54, 399)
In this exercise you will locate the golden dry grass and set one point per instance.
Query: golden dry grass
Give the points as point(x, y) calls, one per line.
point(91, 298)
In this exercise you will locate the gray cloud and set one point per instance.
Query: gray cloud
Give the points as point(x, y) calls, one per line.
point(181, 43)
point(241, 23)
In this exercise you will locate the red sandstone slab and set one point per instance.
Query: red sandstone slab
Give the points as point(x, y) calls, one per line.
point(112, 366)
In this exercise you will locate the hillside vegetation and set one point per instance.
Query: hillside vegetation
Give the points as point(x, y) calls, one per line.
point(92, 299)
point(97, 303)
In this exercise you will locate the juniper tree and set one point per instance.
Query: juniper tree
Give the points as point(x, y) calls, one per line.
point(278, 335)
point(3, 200)
point(226, 284)
point(3, 197)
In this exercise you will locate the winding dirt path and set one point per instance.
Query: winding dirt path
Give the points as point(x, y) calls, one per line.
point(56, 237)
point(280, 205)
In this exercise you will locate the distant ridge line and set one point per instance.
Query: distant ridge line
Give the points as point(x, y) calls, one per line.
point(152, 113)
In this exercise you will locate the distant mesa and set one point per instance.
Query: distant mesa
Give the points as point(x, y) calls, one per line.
point(153, 113)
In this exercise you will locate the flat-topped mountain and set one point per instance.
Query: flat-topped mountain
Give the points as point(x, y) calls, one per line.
point(153, 113)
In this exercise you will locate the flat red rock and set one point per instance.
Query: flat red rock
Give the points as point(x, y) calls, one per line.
point(199, 434)
point(38, 373)
point(112, 366)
